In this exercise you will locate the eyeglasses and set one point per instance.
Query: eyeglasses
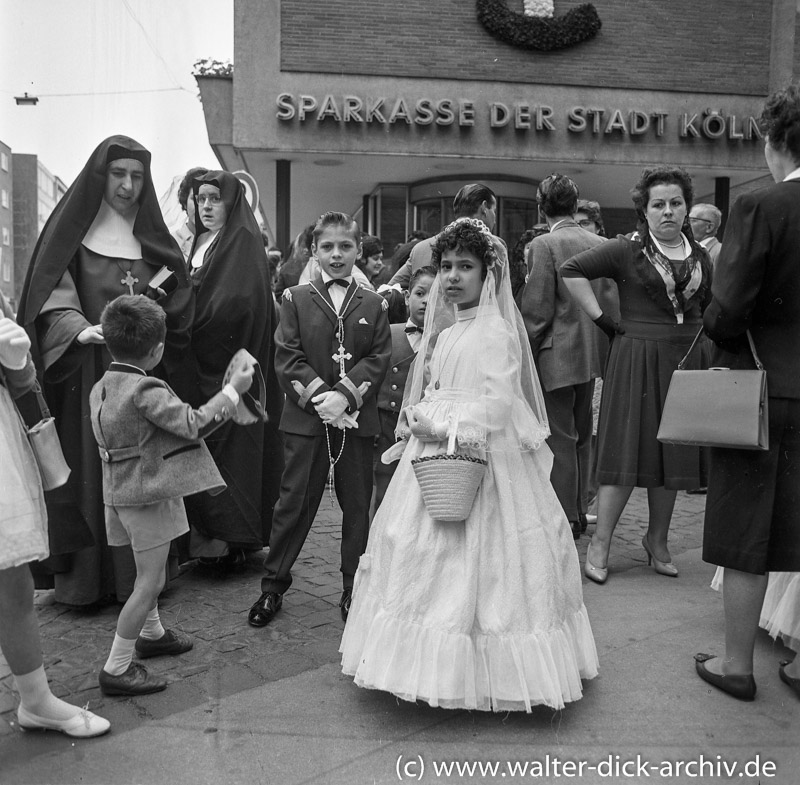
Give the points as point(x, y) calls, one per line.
point(697, 218)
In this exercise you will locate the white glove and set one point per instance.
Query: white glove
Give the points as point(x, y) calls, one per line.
point(14, 345)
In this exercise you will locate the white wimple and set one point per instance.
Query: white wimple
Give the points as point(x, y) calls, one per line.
point(541, 8)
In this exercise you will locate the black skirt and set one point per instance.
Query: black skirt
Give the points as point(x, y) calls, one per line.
point(752, 521)
point(640, 366)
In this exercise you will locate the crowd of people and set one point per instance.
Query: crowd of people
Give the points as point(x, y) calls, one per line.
point(207, 390)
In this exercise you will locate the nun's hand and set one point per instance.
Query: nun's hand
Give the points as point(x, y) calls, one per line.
point(92, 334)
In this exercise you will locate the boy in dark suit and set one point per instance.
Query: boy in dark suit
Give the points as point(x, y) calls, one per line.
point(332, 351)
point(152, 452)
point(405, 343)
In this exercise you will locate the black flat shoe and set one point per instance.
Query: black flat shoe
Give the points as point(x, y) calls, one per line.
point(264, 608)
point(742, 686)
point(134, 681)
point(793, 683)
point(171, 642)
point(345, 602)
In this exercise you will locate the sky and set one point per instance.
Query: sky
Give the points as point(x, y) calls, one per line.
point(104, 67)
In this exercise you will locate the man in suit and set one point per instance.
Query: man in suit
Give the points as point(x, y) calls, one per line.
point(705, 220)
point(332, 350)
point(752, 521)
point(569, 350)
point(472, 201)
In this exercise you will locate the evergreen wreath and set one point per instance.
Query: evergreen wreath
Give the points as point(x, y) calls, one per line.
point(544, 34)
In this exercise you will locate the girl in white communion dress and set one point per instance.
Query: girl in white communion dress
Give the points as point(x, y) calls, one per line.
point(485, 613)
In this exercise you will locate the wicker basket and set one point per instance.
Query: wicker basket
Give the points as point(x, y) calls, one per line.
point(449, 482)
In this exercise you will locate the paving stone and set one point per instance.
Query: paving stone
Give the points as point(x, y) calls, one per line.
point(8, 701)
point(231, 644)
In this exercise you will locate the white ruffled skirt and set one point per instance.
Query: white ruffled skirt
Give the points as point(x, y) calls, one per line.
point(23, 516)
point(483, 614)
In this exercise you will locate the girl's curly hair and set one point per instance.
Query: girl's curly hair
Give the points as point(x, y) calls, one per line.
point(465, 234)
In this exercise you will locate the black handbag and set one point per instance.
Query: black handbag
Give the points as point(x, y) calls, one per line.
point(718, 407)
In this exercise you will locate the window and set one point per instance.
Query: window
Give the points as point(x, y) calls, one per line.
point(6, 272)
point(4, 198)
point(6, 236)
point(4, 161)
point(516, 215)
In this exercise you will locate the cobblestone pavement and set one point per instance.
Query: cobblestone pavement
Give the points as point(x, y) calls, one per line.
point(228, 655)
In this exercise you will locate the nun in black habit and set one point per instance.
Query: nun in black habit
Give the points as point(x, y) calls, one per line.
point(106, 237)
point(233, 309)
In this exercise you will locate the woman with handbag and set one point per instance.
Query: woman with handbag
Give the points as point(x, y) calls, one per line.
point(482, 608)
point(663, 277)
point(23, 539)
point(752, 523)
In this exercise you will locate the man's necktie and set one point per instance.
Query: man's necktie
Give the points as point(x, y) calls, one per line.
point(412, 328)
point(338, 281)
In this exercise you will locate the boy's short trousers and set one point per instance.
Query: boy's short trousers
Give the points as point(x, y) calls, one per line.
point(146, 526)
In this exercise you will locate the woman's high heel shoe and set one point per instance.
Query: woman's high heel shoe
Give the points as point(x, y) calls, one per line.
point(662, 567)
point(596, 574)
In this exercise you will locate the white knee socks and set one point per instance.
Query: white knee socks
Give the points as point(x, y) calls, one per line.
point(119, 659)
point(152, 629)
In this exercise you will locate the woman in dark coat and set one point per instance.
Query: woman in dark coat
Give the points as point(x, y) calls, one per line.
point(752, 524)
point(233, 310)
point(106, 237)
point(663, 277)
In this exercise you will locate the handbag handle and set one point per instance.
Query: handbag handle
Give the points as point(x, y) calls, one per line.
point(43, 408)
point(682, 363)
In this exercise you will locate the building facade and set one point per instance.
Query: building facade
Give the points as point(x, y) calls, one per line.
point(36, 193)
point(6, 223)
point(385, 109)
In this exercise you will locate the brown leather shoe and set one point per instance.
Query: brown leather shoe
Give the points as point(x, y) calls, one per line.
point(171, 642)
point(135, 681)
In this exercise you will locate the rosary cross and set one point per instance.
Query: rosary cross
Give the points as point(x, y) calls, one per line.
point(340, 357)
point(129, 281)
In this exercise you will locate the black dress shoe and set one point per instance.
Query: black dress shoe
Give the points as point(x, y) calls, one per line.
point(741, 686)
point(264, 608)
point(135, 681)
point(793, 683)
point(345, 602)
point(575, 526)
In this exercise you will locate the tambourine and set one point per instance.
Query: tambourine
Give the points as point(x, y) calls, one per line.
point(252, 403)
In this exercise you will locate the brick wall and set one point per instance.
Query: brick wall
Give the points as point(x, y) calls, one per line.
point(683, 45)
